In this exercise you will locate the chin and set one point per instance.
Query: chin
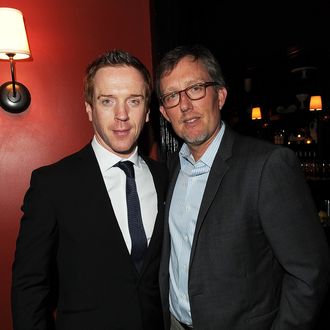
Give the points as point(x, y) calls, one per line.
point(195, 140)
point(124, 151)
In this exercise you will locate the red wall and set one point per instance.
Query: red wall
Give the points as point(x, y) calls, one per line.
point(64, 36)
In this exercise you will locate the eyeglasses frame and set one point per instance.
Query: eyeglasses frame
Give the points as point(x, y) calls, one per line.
point(204, 84)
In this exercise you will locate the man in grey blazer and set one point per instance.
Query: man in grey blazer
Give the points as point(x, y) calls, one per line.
point(73, 267)
point(243, 247)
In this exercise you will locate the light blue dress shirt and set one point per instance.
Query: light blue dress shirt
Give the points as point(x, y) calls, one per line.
point(184, 209)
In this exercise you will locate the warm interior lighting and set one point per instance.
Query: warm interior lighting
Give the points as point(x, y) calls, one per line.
point(256, 113)
point(13, 39)
point(14, 96)
point(315, 103)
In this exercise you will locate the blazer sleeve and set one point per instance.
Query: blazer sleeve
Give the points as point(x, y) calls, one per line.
point(291, 224)
point(34, 273)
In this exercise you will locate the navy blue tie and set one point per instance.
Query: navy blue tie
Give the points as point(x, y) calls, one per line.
point(135, 225)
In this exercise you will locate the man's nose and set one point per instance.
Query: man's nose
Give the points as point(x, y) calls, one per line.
point(121, 112)
point(185, 102)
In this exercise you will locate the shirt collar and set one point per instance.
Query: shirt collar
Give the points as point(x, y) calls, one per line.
point(108, 159)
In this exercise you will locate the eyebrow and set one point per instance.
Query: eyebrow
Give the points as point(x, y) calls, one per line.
point(137, 95)
point(104, 95)
point(112, 95)
point(188, 84)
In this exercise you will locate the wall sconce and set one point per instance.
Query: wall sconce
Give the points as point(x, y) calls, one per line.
point(315, 103)
point(14, 96)
point(256, 113)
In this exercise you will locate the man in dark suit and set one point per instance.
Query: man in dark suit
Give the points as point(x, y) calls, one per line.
point(74, 267)
point(243, 247)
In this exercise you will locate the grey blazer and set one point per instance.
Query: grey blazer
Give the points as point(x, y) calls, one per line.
point(259, 258)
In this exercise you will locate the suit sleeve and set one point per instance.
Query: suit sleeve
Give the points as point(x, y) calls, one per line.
point(34, 272)
point(291, 224)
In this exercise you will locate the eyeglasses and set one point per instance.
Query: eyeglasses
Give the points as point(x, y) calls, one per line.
point(194, 92)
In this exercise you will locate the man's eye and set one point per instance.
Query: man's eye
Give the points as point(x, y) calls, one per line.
point(196, 89)
point(171, 97)
point(135, 102)
point(106, 102)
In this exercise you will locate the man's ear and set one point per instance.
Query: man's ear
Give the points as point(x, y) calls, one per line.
point(89, 111)
point(163, 112)
point(222, 94)
point(147, 115)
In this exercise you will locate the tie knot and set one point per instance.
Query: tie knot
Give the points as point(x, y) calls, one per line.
point(127, 167)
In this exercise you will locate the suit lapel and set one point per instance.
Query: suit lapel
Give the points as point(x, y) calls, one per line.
point(100, 206)
point(157, 234)
point(219, 168)
point(101, 209)
point(174, 169)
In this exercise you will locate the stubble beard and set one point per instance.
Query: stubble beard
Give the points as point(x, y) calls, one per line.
point(195, 141)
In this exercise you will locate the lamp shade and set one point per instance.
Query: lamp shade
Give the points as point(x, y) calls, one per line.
point(315, 103)
point(13, 39)
point(256, 113)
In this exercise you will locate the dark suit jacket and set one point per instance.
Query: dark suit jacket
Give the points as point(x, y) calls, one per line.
point(71, 255)
point(259, 259)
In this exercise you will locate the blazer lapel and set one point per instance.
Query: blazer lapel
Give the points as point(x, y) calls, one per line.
point(157, 234)
point(100, 206)
point(174, 172)
point(219, 168)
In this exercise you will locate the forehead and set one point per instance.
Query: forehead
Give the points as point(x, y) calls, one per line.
point(118, 76)
point(187, 71)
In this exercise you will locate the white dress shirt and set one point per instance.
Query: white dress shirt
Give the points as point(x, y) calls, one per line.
point(115, 182)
